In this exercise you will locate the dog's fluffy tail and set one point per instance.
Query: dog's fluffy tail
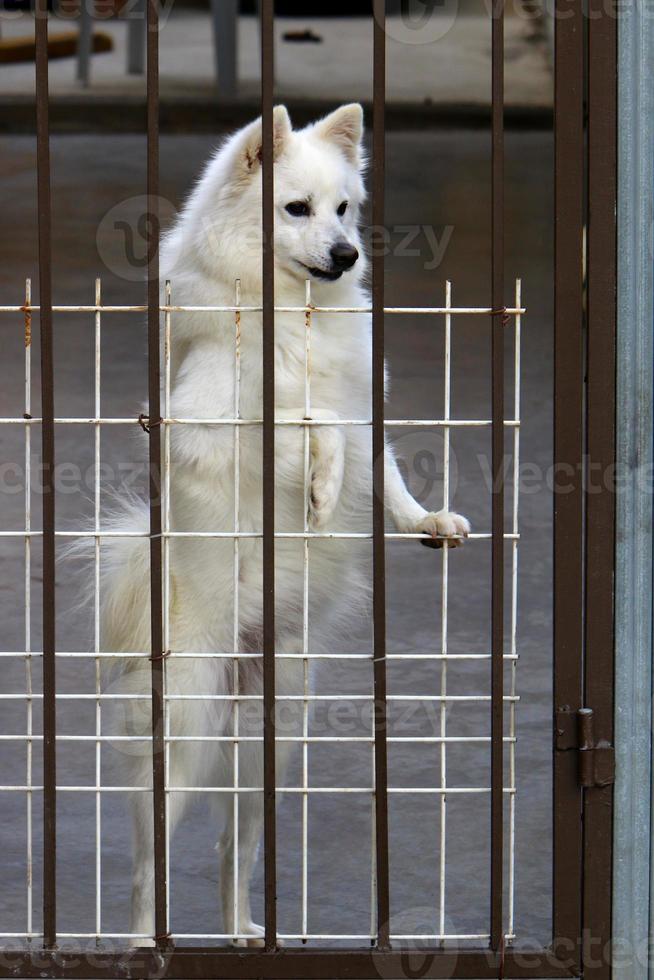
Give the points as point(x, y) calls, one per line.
point(124, 579)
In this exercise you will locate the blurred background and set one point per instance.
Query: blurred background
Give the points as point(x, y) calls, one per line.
point(438, 60)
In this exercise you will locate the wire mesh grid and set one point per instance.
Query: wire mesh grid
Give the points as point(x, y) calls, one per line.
point(100, 697)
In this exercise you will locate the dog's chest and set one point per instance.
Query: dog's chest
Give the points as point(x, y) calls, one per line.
point(319, 370)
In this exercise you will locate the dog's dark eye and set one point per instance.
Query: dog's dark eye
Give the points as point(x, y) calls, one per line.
point(342, 208)
point(299, 209)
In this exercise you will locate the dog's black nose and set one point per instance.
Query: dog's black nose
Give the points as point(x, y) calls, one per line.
point(343, 255)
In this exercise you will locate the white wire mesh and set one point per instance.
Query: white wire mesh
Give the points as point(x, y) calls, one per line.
point(305, 790)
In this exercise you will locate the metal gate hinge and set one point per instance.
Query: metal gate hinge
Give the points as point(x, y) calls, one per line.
point(575, 730)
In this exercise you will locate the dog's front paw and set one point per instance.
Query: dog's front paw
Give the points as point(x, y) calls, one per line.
point(252, 935)
point(443, 526)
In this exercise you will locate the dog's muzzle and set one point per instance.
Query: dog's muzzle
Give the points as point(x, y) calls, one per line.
point(343, 256)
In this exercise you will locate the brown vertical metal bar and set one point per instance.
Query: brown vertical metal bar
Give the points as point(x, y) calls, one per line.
point(154, 410)
point(600, 449)
point(568, 450)
point(47, 455)
point(268, 465)
point(497, 524)
point(379, 557)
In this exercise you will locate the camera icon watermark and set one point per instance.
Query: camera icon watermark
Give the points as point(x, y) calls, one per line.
point(421, 21)
point(126, 234)
point(427, 463)
point(417, 940)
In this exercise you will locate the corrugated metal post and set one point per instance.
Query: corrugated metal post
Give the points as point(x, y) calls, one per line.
point(635, 384)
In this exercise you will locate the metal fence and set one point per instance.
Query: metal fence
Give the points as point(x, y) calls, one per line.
point(582, 598)
point(101, 697)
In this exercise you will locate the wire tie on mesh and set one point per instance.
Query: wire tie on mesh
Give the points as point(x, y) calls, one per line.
point(147, 423)
point(154, 658)
point(27, 416)
point(503, 312)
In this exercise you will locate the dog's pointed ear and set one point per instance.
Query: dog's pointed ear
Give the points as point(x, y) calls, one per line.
point(251, 150)
point(344, 127)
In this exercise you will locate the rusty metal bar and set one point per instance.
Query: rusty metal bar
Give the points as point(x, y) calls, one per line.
point(498, 320)
point(331, 535)
point(186, 654)
point(48, 454)
point(268, 470)
point(378, 542)
point(568, 453)
point(460, 698)
point(200, 963)
point(600, 450)
point(154, 435)
point(168, 308)
point(167, 422)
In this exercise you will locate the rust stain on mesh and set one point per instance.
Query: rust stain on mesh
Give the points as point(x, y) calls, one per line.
point(27, 310)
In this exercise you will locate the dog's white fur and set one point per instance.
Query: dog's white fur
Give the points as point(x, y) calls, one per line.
point(215, 241)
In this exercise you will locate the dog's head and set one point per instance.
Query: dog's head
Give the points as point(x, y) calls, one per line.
point(318, 191)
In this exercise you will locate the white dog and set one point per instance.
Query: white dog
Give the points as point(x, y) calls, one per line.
point(216, 241)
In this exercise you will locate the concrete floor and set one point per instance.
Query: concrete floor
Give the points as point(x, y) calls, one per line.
point(447, 61)
point(439, 182)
